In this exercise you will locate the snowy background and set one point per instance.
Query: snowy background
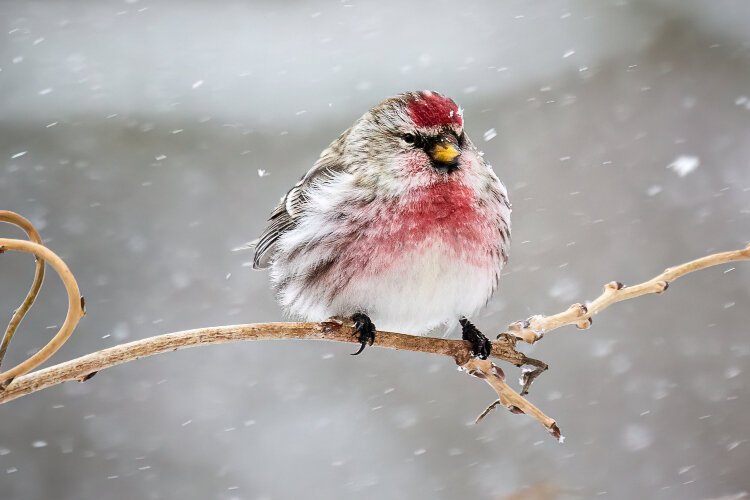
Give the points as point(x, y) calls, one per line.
point(146, 139)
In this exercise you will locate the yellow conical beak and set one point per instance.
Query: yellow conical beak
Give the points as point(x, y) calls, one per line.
point(445, 152)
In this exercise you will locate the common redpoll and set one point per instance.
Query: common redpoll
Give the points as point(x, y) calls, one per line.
point(400, 224)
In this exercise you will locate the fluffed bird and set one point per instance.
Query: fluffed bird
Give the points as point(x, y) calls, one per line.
point(400, 223)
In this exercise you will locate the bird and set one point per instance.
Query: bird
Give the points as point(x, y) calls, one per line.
point(400, 223)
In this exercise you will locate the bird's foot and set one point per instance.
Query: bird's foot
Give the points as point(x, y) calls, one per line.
point(481, 347)
point(365, 330)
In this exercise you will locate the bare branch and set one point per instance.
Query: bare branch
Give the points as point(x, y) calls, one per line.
point(494, 376)
point(331, 331)
point(581, 315)
point(17, 382)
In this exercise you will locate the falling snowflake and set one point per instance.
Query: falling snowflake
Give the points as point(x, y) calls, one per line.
point(684, 164)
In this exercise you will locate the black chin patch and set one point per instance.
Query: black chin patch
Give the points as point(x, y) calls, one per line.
point(445, 168)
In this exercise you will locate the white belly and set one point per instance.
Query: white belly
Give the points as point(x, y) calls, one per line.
point(420, 291)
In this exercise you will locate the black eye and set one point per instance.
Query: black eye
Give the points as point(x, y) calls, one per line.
point(409, 138)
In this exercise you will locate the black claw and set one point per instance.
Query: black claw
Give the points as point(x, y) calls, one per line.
point(365, 330)
point(481, 347)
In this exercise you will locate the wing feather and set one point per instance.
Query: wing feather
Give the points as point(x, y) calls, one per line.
point(291, 207)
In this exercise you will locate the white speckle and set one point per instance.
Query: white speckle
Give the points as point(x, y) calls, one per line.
point(620, 364)
point(554, 395)
point(46, 91)
point(490, 134)
point(18, 155)
point(49, 125)
point(187, 422)
point(263, 173)
point(683, 470)
point(732, 372)
point(121, 331)
point(568, 53)
point(729, 304)
point(38, 41)
point(229, 275)
point(470, 89)
point(17, 59)
point(734, 445)
point(39, 444)
point(301, 112)
point(389, 390)
point(730, 270)
point(654, 190)
point(11, 470)
point(4, 451)
point(684, 164)
point(106, 336)
point(177, 130)
point(420, 451)
point(197, 84)
point(565, 289)
point(161, 157)
point(636, 437)
point(564, 158)
point(601, 348)
point(328, 355)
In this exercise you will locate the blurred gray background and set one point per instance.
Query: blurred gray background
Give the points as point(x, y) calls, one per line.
point(146, 139)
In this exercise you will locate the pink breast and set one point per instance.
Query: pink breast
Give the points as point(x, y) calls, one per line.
point(445, 213)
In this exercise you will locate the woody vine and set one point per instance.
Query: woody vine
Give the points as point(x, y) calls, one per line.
point(25, 378)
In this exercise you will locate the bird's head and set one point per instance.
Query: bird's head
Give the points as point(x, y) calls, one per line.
point(411, 140)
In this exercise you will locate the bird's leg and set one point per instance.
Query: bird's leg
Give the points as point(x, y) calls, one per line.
point(481, 347)
point(365, 329)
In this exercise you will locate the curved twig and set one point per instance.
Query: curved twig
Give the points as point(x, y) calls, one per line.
point(36, 284)
point(73, 316)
